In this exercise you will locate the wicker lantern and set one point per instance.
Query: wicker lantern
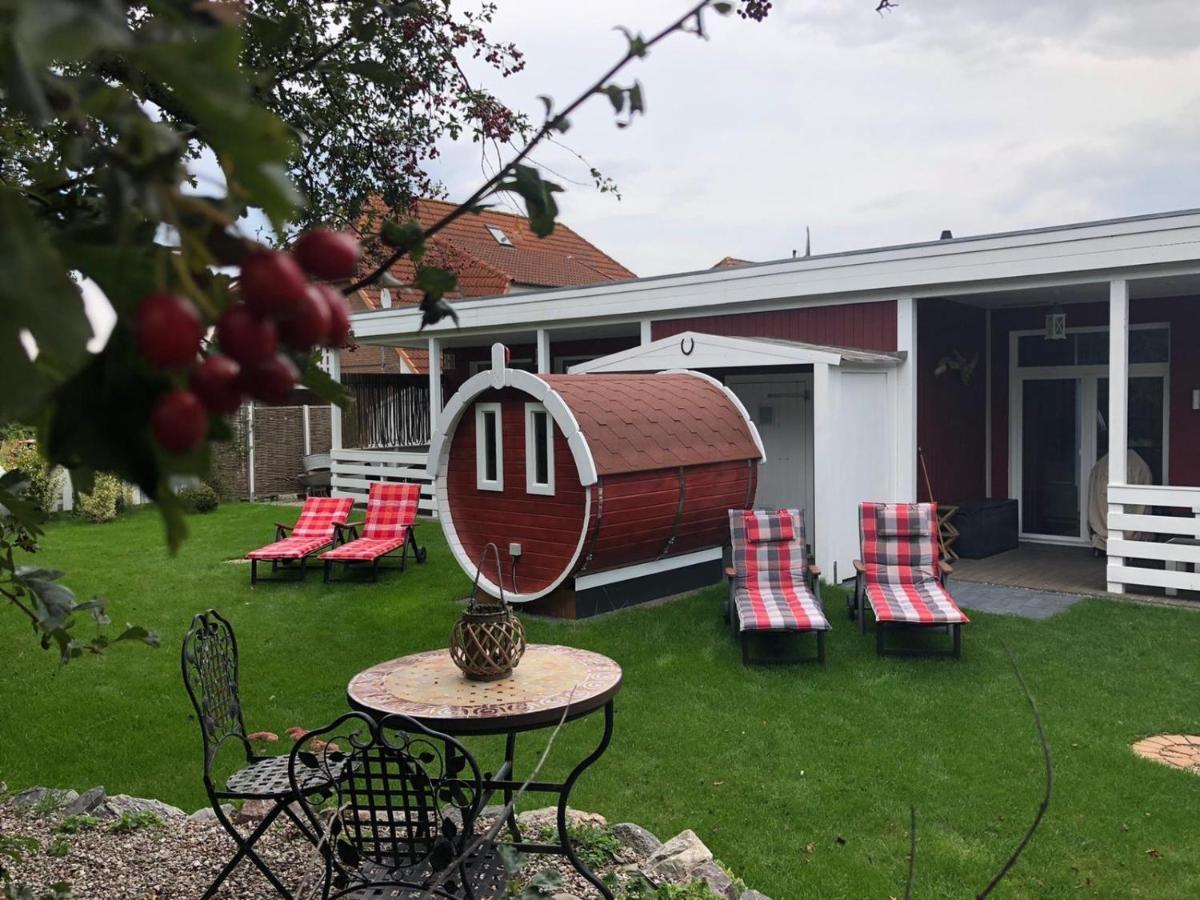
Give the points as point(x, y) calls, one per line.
point(487, 641)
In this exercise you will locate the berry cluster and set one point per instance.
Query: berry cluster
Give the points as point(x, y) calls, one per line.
point(281, 313)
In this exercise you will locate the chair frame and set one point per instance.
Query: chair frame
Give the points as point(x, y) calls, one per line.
point(353, 754)
point(219, 713)
point(420, 554)
point(289, 564)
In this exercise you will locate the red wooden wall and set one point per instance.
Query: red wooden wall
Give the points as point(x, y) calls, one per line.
point(1183, 315)
point(867, 326)
point(548, 528)
point(951, 415)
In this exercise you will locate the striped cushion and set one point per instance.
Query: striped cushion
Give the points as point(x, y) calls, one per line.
point(899, 542)
point(318, 515)
point(289, 548)
point(786, 606)
point(391, 508)
point(926, 603)
point(364, 549)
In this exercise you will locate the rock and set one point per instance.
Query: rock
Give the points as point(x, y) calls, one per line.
point(716, 878)
point(675, 860)
point(120, 804)
point(636, 838)
point(43, 798)
point(86, 802)
point(205, 814)
point(548, 815)
point(753, 895)
point(565, 897)
point(253, 810)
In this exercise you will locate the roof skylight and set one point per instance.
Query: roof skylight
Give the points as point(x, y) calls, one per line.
point(498, 233)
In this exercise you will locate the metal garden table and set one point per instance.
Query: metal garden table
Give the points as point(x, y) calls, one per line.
point(551, 683)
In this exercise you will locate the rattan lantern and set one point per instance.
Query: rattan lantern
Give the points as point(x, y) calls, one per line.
point(487, 641)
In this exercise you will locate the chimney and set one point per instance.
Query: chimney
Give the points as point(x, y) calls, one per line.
point(947, 235)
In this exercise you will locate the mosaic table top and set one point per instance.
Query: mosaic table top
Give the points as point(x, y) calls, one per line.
point(430, 688)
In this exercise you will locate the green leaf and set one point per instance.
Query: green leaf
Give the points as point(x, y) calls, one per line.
point(37, 295)
point(320, 383)
point(538, 194)
point(406, 236)
point(371, 69)
point(637, 43)
point(616, 95)
point(723, 8)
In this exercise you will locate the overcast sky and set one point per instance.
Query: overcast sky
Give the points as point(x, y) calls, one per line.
point(869, 129)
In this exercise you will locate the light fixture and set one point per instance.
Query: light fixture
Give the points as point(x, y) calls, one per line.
point(1056, 324)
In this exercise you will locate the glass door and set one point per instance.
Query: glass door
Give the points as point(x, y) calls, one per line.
point(1050, 477)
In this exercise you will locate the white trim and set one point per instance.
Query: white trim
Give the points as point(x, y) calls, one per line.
point(645, 331)
point(435, 382)
point(481, 480)
point(543, 351)
point(666, 564)
point(250, 448)
point(987, 391)
point(475, 366)
point(307, 430)
point(905, 479)
point(333, 365)
point(532, 485)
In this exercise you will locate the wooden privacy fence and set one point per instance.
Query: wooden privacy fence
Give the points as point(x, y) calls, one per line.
point(265, 455)
point(388, 411)
point(354, 471)
point(1138, 537)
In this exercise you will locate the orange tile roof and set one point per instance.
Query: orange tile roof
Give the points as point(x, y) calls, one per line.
point(635, 423)
point(731, 262)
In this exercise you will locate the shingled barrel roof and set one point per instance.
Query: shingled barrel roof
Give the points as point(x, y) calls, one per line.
point(636, 423)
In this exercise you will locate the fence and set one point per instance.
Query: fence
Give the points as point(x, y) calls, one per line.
point(388, 411)
point(265, 455)
point(354, 470)
point(1138, 537)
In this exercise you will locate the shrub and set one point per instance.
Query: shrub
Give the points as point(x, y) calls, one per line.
point(45, 487)
point(101, 504)
point(199, 499)
point(135, 821)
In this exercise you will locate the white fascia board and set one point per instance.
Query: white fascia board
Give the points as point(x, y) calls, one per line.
point(693, 350)
point(919, 270)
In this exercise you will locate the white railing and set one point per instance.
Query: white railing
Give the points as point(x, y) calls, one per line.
point(1154, 522)
point(352, 472)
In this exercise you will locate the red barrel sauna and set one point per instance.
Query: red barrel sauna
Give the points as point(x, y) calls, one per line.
point(600, 491)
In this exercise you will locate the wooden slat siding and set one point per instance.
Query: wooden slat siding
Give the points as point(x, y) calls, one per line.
point(639, 512)
point(867, 326)
point(711, 492)
point(951, 416)
point(1183, 315)
point(546, 527)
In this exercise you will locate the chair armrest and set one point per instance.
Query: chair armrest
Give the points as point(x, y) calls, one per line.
point(730, 572)
point(859, 567)
point(944, 567)
point(279, 526)
point(814, 571)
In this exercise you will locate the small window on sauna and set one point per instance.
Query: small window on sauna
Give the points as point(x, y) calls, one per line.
point(489, 447)
point(539, 450)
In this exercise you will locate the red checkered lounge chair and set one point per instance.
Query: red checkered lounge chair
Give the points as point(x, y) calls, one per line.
point(391, 515)
point(902, 576)
point(772, 587)
point(313, 531)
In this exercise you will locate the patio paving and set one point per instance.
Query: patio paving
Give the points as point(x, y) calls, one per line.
point(1013, 601)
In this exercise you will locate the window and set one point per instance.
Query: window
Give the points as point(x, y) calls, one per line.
point(498, 233)
point(1090, 348)
point(476, 366)
point(489, 447)
point(539, 450)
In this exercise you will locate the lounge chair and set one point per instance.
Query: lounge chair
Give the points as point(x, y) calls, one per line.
point(313, 532)
point(902, 575)
point(772, 586)
point(391, 513)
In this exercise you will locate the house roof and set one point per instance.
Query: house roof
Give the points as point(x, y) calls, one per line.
point(635, 423)
point(730, 262)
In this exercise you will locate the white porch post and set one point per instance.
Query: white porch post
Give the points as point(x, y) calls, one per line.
point(435, 383)
point(906, 401)
point(1118, 408)
point(646, 331)
point(543, 351)
point(333, 363)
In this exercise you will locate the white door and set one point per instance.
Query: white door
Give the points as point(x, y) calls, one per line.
point(782, 409)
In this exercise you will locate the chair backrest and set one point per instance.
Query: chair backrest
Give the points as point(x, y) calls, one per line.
point(768, 545)
point(391, 508)
point(210, 673)
point(899, 542)
point(393, 780)
point(318, 515)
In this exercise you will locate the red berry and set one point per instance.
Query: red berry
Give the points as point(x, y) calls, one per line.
point(214, 381)
point(339, 316)
point(330, 255)
point(244, 336)
point(309, 325)
point(271, 380)
point(179, 421)
point(272, 283)
point(169, 331)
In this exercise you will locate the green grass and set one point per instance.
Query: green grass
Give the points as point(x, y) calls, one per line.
point(799, 779)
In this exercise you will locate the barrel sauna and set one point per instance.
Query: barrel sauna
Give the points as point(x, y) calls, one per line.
point(599, 491)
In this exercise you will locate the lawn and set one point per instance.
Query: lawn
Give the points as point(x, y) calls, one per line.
point(799, 779)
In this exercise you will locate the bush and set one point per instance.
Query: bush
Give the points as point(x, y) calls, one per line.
point(45, 487)
point(199, 499)
point(101, 504)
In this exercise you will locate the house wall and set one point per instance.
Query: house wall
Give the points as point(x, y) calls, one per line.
point(452, 379)
point(867, 326)
point(951, 414)
point(1181, 313)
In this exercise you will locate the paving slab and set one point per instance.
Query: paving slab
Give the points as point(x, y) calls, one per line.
point(1013, 601)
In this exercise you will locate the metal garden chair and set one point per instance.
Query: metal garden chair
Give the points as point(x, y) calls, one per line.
point(401, 821)
point(210, 674)
point(902, 576)
point(389, 526)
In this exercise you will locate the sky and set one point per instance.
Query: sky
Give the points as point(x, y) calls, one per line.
point(869, 129)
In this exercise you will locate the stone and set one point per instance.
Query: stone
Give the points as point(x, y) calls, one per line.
point(42, 798)
point(753, 895)
point(206, 814)
point(674, 861)
point(548, 816)
point(120, 804)
point(253, 810)
point(86, 802)
point(565, 897)
point(638, 839)
point(716, 878)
